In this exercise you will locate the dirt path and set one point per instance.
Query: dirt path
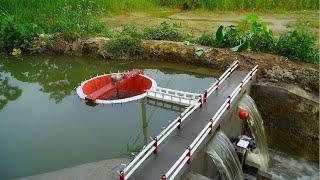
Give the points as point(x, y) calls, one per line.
point(204, 21)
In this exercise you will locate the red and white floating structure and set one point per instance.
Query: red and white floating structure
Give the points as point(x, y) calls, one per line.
point(116, 87)
point(125, 87)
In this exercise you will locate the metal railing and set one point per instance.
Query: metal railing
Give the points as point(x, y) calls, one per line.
point(186, 156)
point(152, 147)
point(173, 96)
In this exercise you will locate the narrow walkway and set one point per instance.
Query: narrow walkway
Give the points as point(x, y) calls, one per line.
point(172, 148)
point(173, 96)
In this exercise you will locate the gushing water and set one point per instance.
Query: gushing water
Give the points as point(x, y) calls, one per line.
point(223, 155)
point(255, 123)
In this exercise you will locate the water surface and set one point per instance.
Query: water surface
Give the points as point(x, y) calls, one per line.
point(44, 126)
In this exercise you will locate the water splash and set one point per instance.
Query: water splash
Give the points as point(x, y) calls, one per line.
point(223, 155)
point(285, 167)
point(255, 123)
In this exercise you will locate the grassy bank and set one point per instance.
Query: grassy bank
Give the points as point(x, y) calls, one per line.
point(24, 21)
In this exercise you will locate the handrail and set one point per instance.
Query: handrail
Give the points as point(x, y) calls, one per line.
point(153, 145)
point(173, 91)
point(172, 95)
point(186, 156)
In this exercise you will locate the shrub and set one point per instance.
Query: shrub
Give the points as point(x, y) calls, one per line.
point(17, 35)
point(127, 42)
point(299, 45)
point(130, 30)
point(165, 31)
point(206, 40)
point(258, 34)
point(250, 34)
point(232, 37)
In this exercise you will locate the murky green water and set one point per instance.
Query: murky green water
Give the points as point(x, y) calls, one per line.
point(44, 126)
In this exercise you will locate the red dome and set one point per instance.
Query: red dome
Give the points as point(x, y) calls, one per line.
point(132, 86)
point(244, 114)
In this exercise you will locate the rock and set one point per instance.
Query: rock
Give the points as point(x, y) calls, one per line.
point(289, 75)
point(273, 80)
point(307, 89)
point(60, 46)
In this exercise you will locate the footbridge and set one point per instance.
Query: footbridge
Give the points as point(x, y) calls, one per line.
point(170, 153)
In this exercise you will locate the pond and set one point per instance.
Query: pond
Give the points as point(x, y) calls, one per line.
point(44, 126)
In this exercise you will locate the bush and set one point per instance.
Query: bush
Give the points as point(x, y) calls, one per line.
point(17, 35)
point(299, 45)
point(127, 42)
point(250, 34)
point(232, 37)
point(206, 40)
point(165, 31)
point(130, 30)
point(258, 34)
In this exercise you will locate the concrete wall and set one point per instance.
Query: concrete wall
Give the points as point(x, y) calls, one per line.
point(291, 118)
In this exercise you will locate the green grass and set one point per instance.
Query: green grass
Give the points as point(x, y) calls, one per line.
point(242, 4)
point(82, 16)
point(66, 15)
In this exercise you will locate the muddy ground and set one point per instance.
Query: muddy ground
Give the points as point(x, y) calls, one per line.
point(200, 22)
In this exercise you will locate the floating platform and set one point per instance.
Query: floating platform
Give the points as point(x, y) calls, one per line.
point(116, 87)
point(125, 87)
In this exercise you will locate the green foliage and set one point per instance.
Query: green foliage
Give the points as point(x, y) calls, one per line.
point(165, 31)
point(13, 35)
point(299, 45)
point(209, 40)
point(206, 40)
point(241, 4)
point(250, 34)
point(127, 42)
point(257, 34)
point(253, 34)
point(130, 30)
point(232, 37)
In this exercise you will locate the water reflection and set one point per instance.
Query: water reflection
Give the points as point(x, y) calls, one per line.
point(59, 76)
point(8, 92)
point(54, 129)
